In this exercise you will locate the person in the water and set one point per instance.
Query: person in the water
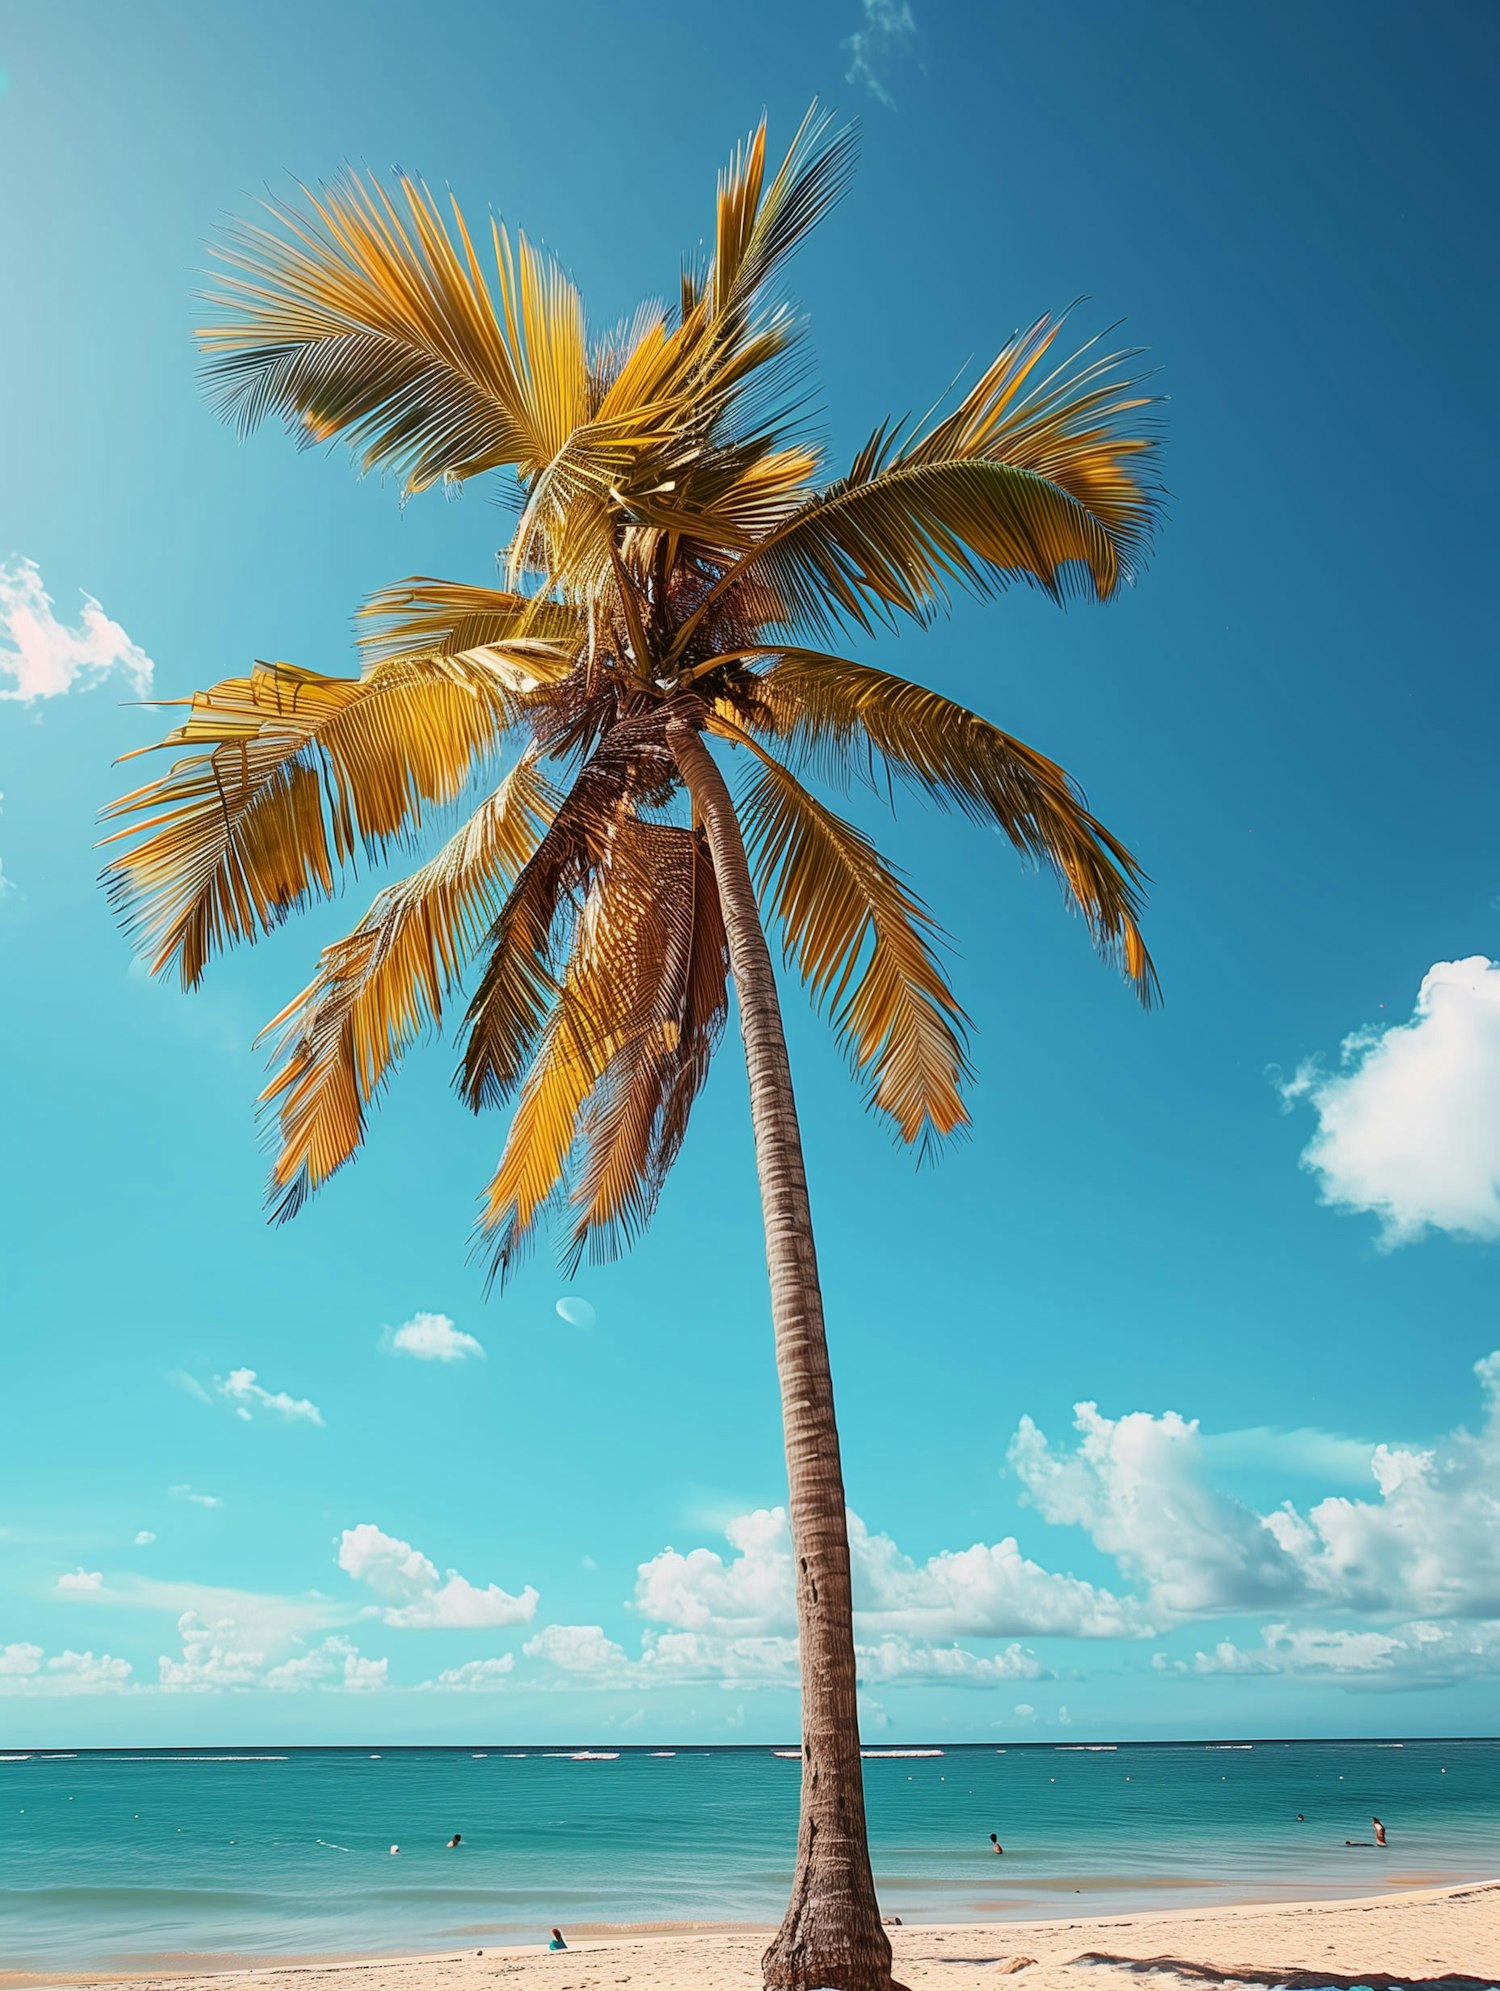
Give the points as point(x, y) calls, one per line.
point(1379, 1831)
point(456, 1840)
point(557, 1942)
point(995, 1842)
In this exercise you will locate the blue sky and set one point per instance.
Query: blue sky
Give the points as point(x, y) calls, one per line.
point(1256, 1230)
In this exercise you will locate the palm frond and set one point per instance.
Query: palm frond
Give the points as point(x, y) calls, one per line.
point(368, 318)
point(520, 983)
point(863, 945)
point(300, 772)
point(608, 997)
point(836, 713)
point(1053, 486)
point(377, 988)
point(637, 1117)
point(540, 637)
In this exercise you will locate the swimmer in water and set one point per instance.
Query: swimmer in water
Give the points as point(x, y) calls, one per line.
point(456, 1840)
point(995, 1842)
point(1379, 1831)
point(557, 1942)
point(1300, 1819)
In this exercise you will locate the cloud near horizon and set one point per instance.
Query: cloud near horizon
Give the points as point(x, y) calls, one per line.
point(44, 657)
point(1409, 1124)
point(985, 1591)
point(413, 1595)
point(1139, 1486)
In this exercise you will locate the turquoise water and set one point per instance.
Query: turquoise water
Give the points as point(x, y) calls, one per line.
point(128, 1859)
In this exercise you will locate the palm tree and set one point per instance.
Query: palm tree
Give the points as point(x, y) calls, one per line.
point(677, 550)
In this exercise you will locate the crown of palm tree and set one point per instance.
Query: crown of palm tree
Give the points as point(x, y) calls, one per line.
point(678, 548)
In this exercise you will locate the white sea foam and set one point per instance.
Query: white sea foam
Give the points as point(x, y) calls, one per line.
point(902, 1753)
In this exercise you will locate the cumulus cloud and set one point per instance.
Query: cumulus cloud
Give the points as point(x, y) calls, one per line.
point(587, 1656)
point(414, 1596)
point(430, 1338)
point(986, 1591)
point(334, 1663)
point(144, 1538)
point(1139, 1487)
point(1409, 1123)
point(576, 1649)
point(475, 1676)
point(222, 1654)
point(1420, 1654)
point(1427, 1545)
point(886, 30)
point(241, 1389)
point(75, 1580)
point(43, 657)
point(24, 1669)
point(185, 1492)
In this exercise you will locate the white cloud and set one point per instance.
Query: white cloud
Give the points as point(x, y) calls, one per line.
point(414, 1595)
point(430, 1338)
point(576, 1649)
point(986, 1591)
point(1138, 1485)
point(587, 1656)
point(25, 1670)
point(1428, 1545)
point(1409, 1125)
point(185, 1492)
point(81, 1579)
point(334, 1663)
point(241, 1389)
point(475, 1676)
point(888, 27)
point(144, 1538)
point(43, 657)
point(1420, 1654)
point(224, 1654)
point(214, 1655)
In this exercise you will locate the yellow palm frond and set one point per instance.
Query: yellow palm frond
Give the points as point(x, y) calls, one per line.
point(635, 1121)
point(605, 1001)
point(837, 713)
point(454, 619)
point(593, 831)
point(301, 771)
point(369, 318)
point(862, 943)
point(376, 989)
point(1052, 486)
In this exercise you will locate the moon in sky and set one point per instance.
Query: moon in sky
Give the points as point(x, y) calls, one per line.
point(576, 1312)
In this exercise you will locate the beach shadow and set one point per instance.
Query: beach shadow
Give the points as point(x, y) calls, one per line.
point(1319, 1979)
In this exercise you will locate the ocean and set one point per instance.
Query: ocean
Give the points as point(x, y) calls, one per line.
point(137, 1859)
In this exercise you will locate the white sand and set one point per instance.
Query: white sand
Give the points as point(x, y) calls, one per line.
point(1438, 1937)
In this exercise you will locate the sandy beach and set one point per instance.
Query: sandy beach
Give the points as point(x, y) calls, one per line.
point(1432, 1939)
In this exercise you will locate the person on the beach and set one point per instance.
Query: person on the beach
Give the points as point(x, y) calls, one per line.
point(456, 1840)
point(1379, 1831)
point(995, 1842)
point(557, 1942)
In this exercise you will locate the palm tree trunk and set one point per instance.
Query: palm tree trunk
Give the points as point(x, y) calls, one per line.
point(832, 1935)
